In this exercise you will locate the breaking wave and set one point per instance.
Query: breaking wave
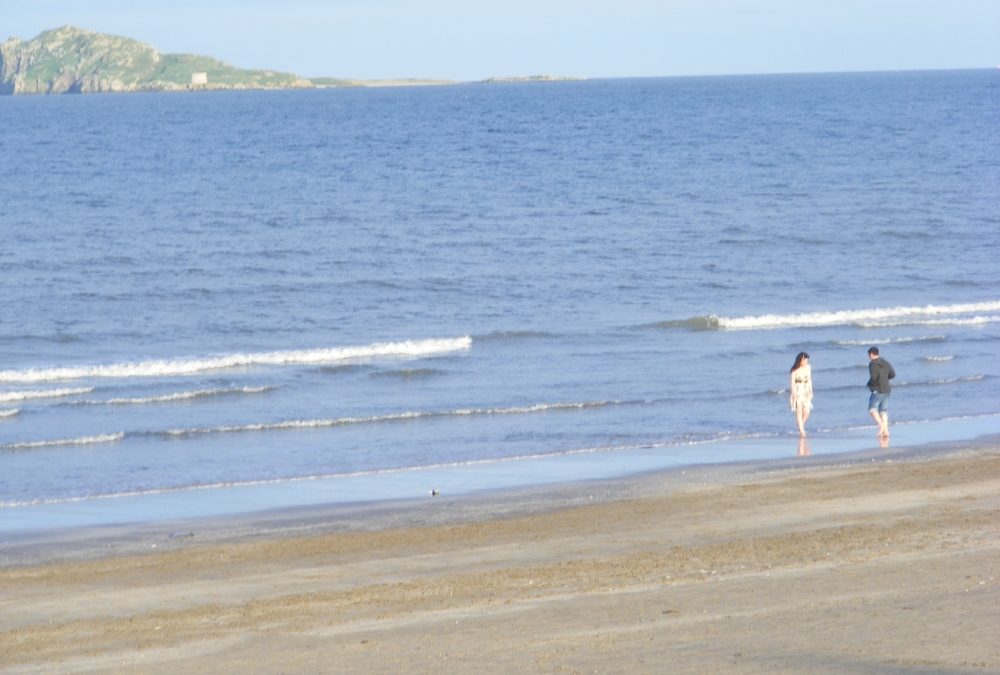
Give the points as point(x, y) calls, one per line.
point(944, 380)
point(956, 321)
point(189, 366)
point(395, 417)
point(890, 341)
point(318, 423)
point(11, 396)
point(930, 315)
point(9, 413)
point(83, 440)
point(178, 396)
point(694, 323)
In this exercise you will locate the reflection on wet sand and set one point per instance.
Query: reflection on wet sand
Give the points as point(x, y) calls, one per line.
point(883, 441)
point(804, 449)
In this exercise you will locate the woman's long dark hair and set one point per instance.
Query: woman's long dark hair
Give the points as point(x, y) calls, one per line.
point(798, 361)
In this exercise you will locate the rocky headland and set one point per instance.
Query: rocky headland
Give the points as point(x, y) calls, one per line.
point(75, 60)
point(71, 60)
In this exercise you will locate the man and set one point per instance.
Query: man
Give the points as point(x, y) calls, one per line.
point(879, 373)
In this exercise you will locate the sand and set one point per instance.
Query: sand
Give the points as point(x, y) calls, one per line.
point(875, 564)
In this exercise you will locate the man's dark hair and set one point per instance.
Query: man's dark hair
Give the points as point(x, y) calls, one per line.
point(873, 351)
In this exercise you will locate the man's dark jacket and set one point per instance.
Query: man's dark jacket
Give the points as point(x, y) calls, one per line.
point(879, 373)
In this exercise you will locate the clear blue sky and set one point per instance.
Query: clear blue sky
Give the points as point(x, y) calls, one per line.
point(470, 40)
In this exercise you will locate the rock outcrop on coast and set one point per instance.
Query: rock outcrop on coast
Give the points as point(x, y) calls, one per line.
point(71, 60)
point(75, 60)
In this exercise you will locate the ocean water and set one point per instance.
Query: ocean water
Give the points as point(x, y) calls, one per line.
point(211, 290)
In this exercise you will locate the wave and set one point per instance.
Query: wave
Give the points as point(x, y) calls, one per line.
point(694, 323)
point(508, 335)
point(83, 440)
point(961, 379)
point(342, 369)
point(11, 396)
point(875, 317)
point(938, 359)
point(178, 396)
point(377, 419)
point(190, 366)
point(969, 321)
point(944, 380)
point(289, 425)
point(409, 373)
point(891, 341)
point(9, 413)
point(58, 338)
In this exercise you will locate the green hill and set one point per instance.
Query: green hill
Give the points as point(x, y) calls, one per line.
point(74, 60)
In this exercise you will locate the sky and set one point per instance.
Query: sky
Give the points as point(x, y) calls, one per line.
point(466, 40)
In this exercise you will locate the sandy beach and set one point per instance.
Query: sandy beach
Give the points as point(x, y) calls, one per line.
point(880, 563)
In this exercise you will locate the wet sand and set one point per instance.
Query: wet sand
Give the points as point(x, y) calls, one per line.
point(880, 563)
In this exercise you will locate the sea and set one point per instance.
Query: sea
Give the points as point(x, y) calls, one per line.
point(222, 302)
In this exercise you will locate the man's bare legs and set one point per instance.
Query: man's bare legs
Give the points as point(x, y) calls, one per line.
point(882, 420)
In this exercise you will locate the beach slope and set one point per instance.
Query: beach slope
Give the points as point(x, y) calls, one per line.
point(870, 566)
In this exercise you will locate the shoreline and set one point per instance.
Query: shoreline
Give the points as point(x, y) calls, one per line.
point(405, 493)
point(878, 561)
point(371, 515)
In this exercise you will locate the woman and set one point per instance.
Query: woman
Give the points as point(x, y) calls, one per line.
point(801, 387)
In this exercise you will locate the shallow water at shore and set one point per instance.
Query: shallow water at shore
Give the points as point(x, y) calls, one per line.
point(399, 487)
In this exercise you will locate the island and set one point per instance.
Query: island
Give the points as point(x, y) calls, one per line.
point(71, 60)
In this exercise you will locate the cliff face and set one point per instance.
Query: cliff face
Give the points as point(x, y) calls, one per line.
point(73, 60)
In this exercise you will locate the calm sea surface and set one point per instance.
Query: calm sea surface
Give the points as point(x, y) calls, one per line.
point(222, 288)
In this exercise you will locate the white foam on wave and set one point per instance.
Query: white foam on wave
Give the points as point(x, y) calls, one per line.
point(890, 341)
point(938, 359)
point(957, 321)
point(83, 440)
point(874, 316)
point(190, 366)
point(395, 417)
point(955, 380)
point(11, 396)
point(538, 407)
point(10, 412)
point(311, 424)
point(294, 424)
point(179, 396)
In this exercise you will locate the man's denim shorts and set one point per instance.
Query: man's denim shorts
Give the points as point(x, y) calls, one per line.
point(879, 402)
